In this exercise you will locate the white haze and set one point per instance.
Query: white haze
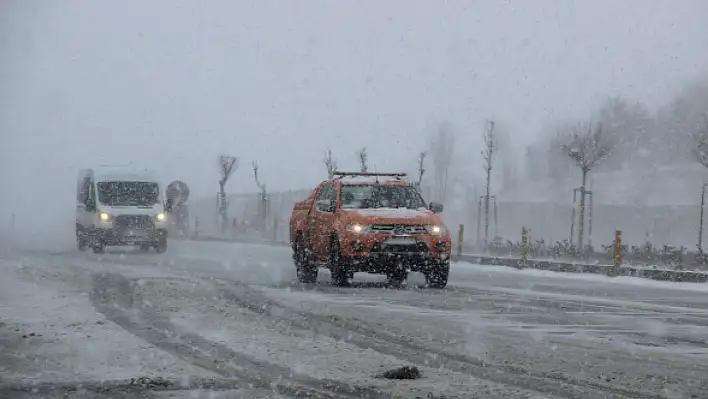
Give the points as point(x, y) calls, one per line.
point(171, 84)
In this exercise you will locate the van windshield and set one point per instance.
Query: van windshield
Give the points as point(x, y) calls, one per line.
point(128, 193)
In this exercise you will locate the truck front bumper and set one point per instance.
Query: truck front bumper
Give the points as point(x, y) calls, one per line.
point(389, 261)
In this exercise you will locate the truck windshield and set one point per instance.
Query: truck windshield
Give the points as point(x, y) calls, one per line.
point(364, 196)
point(128, 193)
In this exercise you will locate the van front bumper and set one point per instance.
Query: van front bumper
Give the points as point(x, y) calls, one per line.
point(116, 237)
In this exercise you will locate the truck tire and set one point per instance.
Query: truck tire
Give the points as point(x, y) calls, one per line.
point(397, 276)
point(306, 270)
point(340, 275)
point(437, 277)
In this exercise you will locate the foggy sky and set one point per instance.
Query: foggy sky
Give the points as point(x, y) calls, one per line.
point(171, 84)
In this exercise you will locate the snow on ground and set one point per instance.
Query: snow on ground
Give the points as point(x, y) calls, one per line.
point(308, 352)
point(494, 330)
point(462, 267)
point(54, 334)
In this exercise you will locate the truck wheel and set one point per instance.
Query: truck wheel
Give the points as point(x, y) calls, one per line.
point(340, 275)
point(306, 271)
point(397, 277)
point(437, 277)
point(144, 247)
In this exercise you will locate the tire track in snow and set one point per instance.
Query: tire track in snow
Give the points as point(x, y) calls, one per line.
point(118, 300)
point(109, 389)
point(359, 333)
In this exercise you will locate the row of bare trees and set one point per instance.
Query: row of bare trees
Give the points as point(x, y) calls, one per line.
point(591, 144)
point(228, 164)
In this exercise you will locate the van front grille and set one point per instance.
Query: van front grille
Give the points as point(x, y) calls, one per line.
point(138, 222)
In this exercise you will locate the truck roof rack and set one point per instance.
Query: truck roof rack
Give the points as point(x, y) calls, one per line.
point(339, 174)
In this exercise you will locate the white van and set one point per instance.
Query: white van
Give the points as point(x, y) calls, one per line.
point(119, 206)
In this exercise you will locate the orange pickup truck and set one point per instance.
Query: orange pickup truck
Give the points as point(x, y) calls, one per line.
point(369, 222)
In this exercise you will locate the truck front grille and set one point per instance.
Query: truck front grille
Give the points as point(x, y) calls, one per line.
point(399, 229)
point(419, 247)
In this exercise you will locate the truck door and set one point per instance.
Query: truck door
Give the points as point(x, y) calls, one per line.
point(321, 219)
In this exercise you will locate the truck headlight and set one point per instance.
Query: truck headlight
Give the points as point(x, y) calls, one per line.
point(104, 217)
point(358, 228)
point(160, 217)
point(435, 229)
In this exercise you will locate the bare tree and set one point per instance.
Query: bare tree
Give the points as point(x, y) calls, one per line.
point(588, 145)
point(363, 160)
point(330, 163)
point(442, 148)
point(421, 166)
point(488, 156)
point(262, 203)
point(700, 152)
point(631, 124)
point(700, 141)
point(227, 165)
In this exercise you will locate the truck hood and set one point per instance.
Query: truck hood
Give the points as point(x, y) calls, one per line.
point(393, 216)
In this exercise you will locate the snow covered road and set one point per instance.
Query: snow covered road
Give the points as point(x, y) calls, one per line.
point(209, 319)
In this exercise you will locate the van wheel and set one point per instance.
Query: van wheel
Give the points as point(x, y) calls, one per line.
point(161, 246)
point(98, 246)
point(306, 270)
point(81, 242)
point(340, 274)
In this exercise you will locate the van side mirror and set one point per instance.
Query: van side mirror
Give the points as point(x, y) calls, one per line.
point(90, 206)
point(436, 207)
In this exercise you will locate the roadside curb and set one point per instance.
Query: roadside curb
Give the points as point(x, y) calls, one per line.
point(683, 276)
point(686, 276)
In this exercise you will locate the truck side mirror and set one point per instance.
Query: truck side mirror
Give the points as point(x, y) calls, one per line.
point(326, 205)
point(436, 207)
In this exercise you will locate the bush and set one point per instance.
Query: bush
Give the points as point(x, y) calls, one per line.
point(647, 254)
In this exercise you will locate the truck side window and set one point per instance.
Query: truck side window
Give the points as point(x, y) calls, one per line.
point(332, 194)
point(324, 194)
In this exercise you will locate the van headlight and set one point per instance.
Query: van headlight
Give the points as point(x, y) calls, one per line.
point(435, 229)
point(104, 217)
point(358, 228)
point(160, 217)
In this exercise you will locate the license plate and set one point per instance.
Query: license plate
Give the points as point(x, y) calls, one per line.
point(401, 241)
